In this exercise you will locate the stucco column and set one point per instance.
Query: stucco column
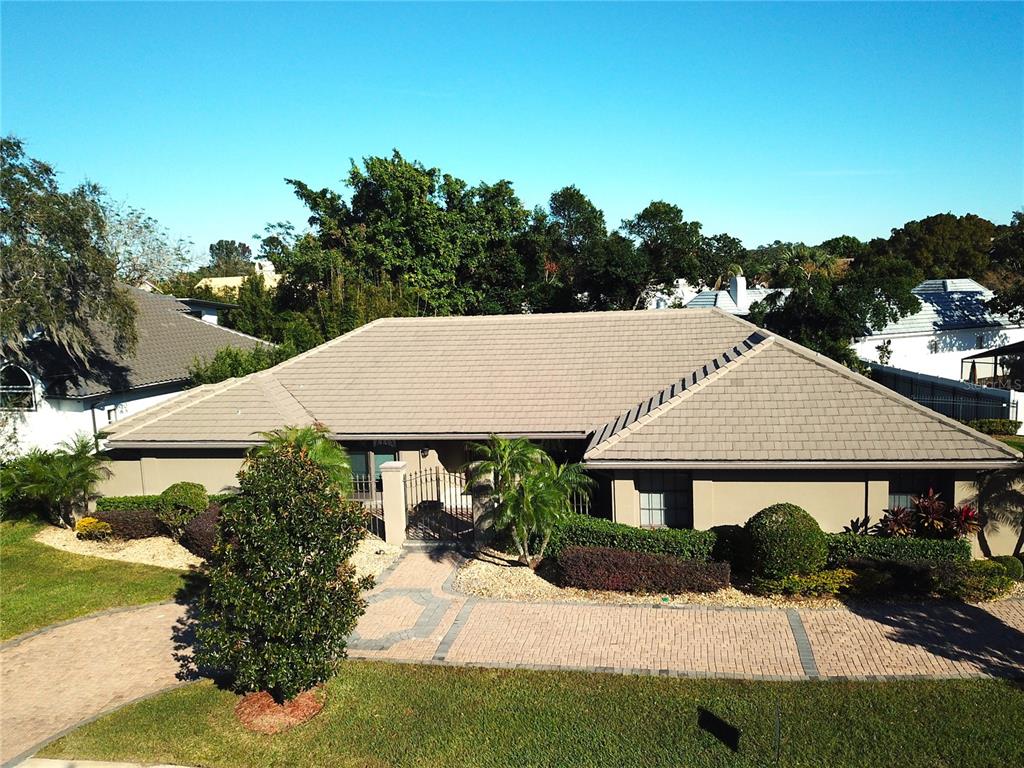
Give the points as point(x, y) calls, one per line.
point(876, 496)
point(964, 492)
point(625, 501)
point(703, 503)
point(392, 474)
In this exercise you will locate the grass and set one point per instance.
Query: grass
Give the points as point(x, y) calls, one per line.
point(42, 585)
point(1017, 443)
point(397, 715)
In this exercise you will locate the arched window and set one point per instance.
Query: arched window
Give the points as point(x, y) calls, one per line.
point(17, 392)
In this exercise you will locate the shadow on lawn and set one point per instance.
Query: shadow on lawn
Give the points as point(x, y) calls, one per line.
point(960, 632)
point(184, 631)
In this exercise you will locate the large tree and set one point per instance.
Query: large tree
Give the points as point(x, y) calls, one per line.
point(57, 273)
point(1008, 266)
point(143, 249)
point(945, 245)
point(229, 258)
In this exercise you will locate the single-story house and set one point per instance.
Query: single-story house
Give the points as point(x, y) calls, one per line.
point(953, 323)
point(689, 417)
point(52, 398)
point(737, 299)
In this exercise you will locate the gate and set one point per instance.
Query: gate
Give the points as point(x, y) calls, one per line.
point(366, 490)
point(437, 506)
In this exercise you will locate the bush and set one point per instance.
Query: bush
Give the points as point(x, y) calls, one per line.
point(179, 504)
point(200, 534)
point(91, 528)
point(586, 531)
point(283, 598)
point(732, 545)
point(132, 523)
point(622, 570)
point(911, 578)
point(1002, 427)
point(1012, 565)
point(972, 582)
point(785, 541)
point(817, 584)
point(843, 547)
point(145, 502)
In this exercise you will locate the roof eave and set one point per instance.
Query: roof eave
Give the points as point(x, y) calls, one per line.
point(976, 464)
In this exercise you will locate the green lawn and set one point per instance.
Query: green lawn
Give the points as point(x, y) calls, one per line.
point(1017, 443)
point(396, 715)
point(41, 585)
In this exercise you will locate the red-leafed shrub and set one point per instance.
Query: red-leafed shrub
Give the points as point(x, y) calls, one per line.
point(132, 523)
point(200, 532)
point(620, 570)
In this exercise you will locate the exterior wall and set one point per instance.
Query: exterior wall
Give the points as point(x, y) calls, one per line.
point(56, 420)
point(1001, 540)
point(133, 475)
point(912, 353)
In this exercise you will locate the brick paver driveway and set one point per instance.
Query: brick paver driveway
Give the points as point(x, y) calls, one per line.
point(70, 673)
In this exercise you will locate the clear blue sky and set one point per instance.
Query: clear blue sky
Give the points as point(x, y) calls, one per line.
point(790, 121)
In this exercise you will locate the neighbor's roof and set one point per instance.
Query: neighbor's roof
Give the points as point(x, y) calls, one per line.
point(750, 396)
point(1017, 348)
point(169, 342)
point(723, 300)
point(948, 305)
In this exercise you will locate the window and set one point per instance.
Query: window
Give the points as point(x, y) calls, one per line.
point(17, 392)
point(904, 485)
point(665, 500)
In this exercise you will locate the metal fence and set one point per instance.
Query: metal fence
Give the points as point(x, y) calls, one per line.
point(957, 399)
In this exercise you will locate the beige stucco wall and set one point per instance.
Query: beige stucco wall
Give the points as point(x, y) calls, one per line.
point(149, 474)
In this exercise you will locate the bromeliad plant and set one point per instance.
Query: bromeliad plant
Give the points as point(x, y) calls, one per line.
point(529, 493)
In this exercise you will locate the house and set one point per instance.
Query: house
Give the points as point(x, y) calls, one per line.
point(52, 399)
point(736, 299)
point(999, 370)
point(207, 310)
point(228, 286)
point(681, 292)
point(953, 323)
point(688, 418)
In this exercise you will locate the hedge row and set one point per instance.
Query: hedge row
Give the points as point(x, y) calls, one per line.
point(586, 531)
point(843, 547)
point(149, 503)
point(624, 571)
point(1002, 427)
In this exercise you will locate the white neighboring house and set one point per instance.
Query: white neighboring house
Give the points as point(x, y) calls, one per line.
point(681, 293)
point(953, 323)
point(51, 399)
point(736, 299)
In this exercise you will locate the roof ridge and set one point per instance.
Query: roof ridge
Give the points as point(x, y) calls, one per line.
point(185, 399)
point(292, 404)
point(863, 381)
point(670, 396)
point(224, 328)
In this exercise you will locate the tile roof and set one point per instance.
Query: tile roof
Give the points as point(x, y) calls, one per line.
point(723, 300)
point(735, 391)
point(170, 340)
point(948, 305)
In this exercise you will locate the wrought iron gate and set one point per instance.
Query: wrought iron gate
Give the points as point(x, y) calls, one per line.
point(437, 506)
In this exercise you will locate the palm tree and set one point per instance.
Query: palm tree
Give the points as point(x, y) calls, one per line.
point(999, 498)
point(64, 480)
point(501, 465)
point(314, 442)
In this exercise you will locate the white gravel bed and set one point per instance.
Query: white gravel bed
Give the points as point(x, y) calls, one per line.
point(156, 550)
point(372, 556)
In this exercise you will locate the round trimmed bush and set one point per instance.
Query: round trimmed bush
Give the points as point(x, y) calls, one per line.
point(1012, 565)
point(180, 504)
point(785, 541)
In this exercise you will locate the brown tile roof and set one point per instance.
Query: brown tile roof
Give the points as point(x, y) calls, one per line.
point(560, 375)
point(170, 340)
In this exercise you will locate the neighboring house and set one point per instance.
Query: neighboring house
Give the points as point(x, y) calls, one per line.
point(953, 323)
point(206, 310)
point(52, 399)
point(736, 299)
point(681, 293)
point(1001, 370)
point(228, 286)
point(688, 418)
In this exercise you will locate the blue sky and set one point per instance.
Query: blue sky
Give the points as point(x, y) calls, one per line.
point(791, 121)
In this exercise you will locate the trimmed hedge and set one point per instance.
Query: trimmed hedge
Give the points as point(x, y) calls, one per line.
point(179, 504)
point(200, 534)
point(621, 570)
point(974, 581)
point(132, 523)
point(1003, 427)
point(817, 584)
point(147, 502)
point(586, 531)
point(785, 541)
point(843, 547)
point(1013, 566)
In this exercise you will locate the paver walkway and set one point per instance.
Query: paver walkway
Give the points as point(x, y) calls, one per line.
point(69, 673)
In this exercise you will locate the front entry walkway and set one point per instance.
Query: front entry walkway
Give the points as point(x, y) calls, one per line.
point(67, 674)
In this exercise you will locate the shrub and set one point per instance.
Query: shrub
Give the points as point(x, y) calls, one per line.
point(91, 528)
point(911, 578)
point(144, 502)
point(732, 545)
point(830, 582)
point(1012, 565)
point(62, 482)
point(843, 547)
point(282, 597)
point(930, 517)
point(972, 582)
point(785, 541)
point(200, 534)
point(132, 523)
point(1002, 427)
point(622, 570)
point(585, 531)
point(179, 504)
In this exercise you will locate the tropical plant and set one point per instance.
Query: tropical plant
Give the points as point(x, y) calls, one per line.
point(859, 525)
point(314, 442)
point(930, 517)
point(898, 521)
point(529, 493)
point(283, 597)
point(63, 481)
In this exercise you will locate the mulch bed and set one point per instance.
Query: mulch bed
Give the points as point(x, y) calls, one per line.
point(260, 713)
